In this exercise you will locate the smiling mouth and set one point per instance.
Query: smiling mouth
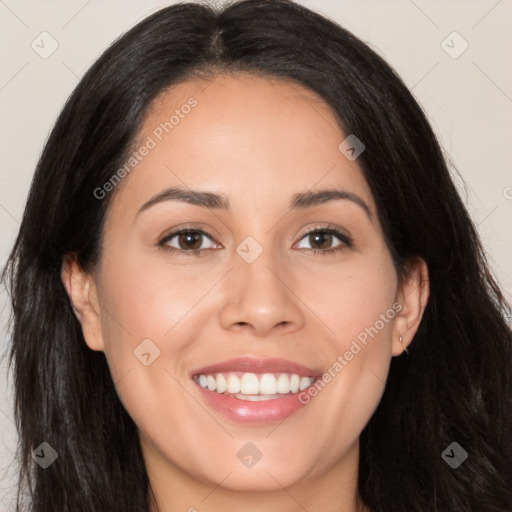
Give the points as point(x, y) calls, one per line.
point(255, 391)
point(254, 387)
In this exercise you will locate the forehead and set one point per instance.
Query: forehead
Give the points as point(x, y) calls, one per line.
point(252, 138)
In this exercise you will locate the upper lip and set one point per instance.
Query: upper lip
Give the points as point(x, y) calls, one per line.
point(256, 365)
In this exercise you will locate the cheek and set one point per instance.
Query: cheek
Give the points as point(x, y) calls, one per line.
point(148, 300)
point(144, 310)
point(357, 308)
point(352, 298)
point(147, 326)
point(346, 397)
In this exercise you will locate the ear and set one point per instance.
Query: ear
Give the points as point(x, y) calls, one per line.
point(412, 294)
point(81, 289)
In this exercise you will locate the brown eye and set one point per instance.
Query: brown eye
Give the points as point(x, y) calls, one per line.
point(321, 240)
point(187, 240)
point(190, 240)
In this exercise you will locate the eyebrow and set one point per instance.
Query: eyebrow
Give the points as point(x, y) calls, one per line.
point(216, 201)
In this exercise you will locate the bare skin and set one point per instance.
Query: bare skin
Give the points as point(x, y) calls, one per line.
point(257, 142)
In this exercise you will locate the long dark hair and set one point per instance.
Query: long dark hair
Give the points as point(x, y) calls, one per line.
point(455, 384)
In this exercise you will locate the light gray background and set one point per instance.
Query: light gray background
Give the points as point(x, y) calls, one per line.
point(468, 100)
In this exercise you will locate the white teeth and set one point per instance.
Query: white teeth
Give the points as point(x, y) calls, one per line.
point(221, 383)
point(202, 381)
point(268, 384)
point(255, 387)
point(294, 383)
point(212, 383)
point(283, 384)
point(249, 384)
point(305, 382)
point(233, 384)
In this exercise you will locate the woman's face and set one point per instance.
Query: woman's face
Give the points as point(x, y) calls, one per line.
point(255, 289)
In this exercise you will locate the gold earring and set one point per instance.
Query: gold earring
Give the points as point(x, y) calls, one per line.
point(405, 348)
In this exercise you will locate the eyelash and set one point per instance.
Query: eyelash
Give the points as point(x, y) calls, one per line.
point(346, 240)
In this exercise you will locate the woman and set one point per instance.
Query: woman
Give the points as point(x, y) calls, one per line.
point(177, 346)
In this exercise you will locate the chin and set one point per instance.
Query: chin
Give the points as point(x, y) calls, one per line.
point(257, 481)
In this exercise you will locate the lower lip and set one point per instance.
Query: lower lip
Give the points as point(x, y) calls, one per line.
point(244, 411)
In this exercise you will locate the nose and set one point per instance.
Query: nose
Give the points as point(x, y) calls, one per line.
point(260, 297)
